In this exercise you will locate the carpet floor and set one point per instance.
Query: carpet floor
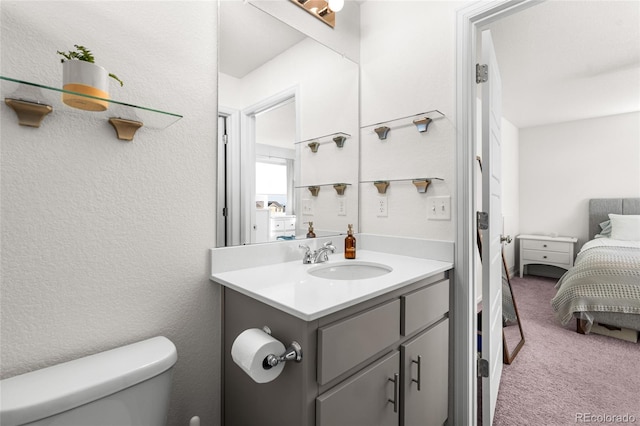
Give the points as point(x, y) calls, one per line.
point(561, 377)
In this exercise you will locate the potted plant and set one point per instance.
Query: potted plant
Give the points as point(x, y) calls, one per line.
point(80, 74)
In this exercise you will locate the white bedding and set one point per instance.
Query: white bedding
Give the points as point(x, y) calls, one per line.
point(608, 242)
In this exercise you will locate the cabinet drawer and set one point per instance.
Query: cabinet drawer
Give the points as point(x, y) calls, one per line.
point(546, 245)
point(546, 257)
point(347, 343)
point(362, 400)
point(424, 306)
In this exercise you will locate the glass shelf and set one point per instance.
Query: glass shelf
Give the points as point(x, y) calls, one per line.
point(313, 143)
point(41, 95)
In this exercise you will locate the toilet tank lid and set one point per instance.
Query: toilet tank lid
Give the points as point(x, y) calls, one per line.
point(52, 390)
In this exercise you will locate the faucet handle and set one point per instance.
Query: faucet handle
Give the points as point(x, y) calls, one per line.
point(307, 254)
point(328, 243)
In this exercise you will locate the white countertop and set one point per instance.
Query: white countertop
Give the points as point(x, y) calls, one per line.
point(287, 285)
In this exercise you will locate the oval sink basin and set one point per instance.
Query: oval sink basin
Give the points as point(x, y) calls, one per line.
point(351, 270)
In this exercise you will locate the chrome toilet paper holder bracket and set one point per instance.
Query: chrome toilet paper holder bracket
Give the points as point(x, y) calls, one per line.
point(292, 353)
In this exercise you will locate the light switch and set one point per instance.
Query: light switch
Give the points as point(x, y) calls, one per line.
point(439, 208)
point(307, 207)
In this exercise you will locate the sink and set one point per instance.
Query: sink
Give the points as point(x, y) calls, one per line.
point(350, 270)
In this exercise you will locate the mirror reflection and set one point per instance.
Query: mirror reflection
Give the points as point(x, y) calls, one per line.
point(280, 93)
point(512, 334)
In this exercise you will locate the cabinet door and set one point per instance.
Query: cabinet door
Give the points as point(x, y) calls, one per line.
point(427, 354)
point(365, 399)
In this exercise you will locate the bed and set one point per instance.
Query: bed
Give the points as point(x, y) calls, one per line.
point(603, 286)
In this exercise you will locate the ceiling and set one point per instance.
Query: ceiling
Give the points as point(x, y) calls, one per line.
point(569, 60)
point(559, 60)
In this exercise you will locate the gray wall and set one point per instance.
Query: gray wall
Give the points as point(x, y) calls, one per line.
point(104, 242)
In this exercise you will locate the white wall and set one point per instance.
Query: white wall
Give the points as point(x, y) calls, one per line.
point(106, 242)
point(407, 67)
point(562, 166)
point(510, 189)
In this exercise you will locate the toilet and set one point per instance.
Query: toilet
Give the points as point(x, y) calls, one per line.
point(125, 386)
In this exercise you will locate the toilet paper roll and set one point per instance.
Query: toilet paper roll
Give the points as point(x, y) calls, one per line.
point(250, 349)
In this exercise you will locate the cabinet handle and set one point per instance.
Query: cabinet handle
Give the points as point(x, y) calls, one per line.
point(394, 401)
point(544, 257)
point(544, 245)
point(419, 362)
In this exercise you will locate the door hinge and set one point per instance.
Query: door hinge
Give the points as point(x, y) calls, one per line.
point(483, 367)
point(225, 139)
point(482, 73)
point(482, 219)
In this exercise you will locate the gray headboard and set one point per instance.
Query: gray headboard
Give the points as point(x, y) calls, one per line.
point(599, 208)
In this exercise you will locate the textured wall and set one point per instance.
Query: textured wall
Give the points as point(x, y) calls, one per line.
point(104, 242)
point(405, 70)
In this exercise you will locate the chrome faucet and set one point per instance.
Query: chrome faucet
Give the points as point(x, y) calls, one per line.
point(318, 256)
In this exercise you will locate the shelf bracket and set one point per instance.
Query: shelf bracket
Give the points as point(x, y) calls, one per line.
point(29, 113)
point(125, 129)
point(382, 186)
point(314, 190)
point(314, 146)
point(422, 124)
point(340, 187)
point(382, 132)
point(339, 140)
point(421, 185)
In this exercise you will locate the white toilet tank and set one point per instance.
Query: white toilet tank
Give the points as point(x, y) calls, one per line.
point(125, 386)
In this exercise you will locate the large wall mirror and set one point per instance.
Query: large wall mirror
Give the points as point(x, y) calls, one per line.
point(288, 142)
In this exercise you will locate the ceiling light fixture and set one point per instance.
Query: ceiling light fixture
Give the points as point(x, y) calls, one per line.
point(336, 5)
point(321, 9)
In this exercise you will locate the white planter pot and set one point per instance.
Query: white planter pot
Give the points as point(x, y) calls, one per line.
point(86, 78)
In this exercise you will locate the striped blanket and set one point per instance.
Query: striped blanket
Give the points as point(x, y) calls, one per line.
point(605, 278)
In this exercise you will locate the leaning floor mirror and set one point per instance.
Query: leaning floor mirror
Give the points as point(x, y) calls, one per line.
point(512, 334)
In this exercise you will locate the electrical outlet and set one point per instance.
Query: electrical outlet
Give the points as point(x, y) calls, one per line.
point(307, 207)
point(439, 208)
point(382, 206)
point(342, 207)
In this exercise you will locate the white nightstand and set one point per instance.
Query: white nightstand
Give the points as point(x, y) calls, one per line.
point(544, 250)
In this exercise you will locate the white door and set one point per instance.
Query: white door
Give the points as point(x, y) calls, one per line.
point(492, 245)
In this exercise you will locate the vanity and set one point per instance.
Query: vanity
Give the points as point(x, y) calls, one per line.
point(375, 350)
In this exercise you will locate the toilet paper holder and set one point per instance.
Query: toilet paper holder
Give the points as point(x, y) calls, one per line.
point(292, 353)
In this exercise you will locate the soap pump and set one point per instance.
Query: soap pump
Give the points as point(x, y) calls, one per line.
point(350, 244)
point(310, 233)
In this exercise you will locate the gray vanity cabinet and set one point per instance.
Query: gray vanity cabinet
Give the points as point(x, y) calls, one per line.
point(425, 361)
point(357, 366)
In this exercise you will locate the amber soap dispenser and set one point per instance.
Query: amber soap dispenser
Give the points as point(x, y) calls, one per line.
point(310, 233)
point(350, 244)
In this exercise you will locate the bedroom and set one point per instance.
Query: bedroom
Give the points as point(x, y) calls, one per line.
point(560, 164)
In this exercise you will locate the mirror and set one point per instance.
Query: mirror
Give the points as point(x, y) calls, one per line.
point(283, 99)
point(512, 334)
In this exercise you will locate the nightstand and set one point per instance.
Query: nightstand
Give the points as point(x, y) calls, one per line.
point(545, 250)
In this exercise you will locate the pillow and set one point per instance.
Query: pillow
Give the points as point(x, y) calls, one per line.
point(625, 227)
point(606, 229)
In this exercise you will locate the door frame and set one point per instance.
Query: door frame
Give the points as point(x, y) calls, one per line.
point(469, 20)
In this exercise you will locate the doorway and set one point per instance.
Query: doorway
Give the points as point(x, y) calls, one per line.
point(263, 136)
point(469, 21)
